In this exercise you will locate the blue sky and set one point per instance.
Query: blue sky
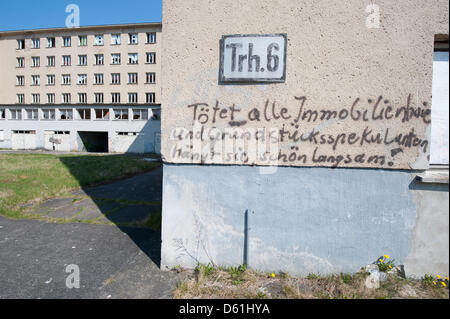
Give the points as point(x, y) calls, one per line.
point(38, 14)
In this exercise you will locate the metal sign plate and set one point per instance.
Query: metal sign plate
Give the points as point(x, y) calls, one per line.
point(253, 58)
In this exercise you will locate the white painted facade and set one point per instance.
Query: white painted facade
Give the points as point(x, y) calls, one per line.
point(124, 136)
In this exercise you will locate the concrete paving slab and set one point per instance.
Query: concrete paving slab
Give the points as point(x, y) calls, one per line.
point(89, 213)
point(65, 212)
point(55, 203)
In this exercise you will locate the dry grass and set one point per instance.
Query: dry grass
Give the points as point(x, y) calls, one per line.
point(219, 283)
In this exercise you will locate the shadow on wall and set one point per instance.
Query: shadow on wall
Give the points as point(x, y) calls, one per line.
point(148, 140)
point(416, 185)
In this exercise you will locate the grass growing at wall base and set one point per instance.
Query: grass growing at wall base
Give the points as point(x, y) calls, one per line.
point(209, 282)
point(29, 179)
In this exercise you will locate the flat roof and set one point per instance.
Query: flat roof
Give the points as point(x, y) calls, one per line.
point(82, 28)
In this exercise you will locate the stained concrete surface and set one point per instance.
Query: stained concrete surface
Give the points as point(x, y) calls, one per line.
point(115, 261)
point(303, 220)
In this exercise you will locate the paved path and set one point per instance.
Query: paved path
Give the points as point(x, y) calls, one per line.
point(114, 261)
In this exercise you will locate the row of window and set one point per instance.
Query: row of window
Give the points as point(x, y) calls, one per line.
point(99, 59)
point(66, 98)
point(99, 79)
point(82, 114)
point(32, 132)
point(99, 40)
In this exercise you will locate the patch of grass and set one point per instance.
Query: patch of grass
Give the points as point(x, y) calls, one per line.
point(30, 179)
point(346, 278)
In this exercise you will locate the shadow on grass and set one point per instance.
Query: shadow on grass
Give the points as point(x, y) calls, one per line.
point(131, 199)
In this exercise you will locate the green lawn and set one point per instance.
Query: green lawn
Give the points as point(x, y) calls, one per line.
point(29, 179)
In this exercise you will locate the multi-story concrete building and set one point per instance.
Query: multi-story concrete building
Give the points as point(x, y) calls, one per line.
point(81, 89)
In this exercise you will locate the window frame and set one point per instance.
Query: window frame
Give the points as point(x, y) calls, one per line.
point(17, 112)
point(121, 112)
point(149, 37)
point(149, 60)
point(116, 36)
point(66, 58)
point(64, 41)
point(51, 112)
point(64, 112)
point(51, 42)
point(34, 113)
point(97, 37)
point(141, 112)
point(36, 43)
point(130, 99)
point(131, 58)
point(133, 38)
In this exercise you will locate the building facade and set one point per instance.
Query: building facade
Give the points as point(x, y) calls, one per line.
point(319, 169)
point(81, 89)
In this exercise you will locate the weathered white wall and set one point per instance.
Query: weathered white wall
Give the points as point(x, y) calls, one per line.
point(23, 141)
point(305, 219)
point(336, 57)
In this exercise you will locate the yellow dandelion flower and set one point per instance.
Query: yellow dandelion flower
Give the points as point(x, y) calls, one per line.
point(438, 277)
point(446, 278)
point(272, 275)
point(390, 266)
point(444, 284)
point(381, 261)
point(434, 282)
point(386, 256)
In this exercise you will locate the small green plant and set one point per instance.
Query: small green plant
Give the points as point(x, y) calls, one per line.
point(260, 295)
point(205, 270)
point(385, 263)
point(237, 274)
point(312, 276)
point(428, 280)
